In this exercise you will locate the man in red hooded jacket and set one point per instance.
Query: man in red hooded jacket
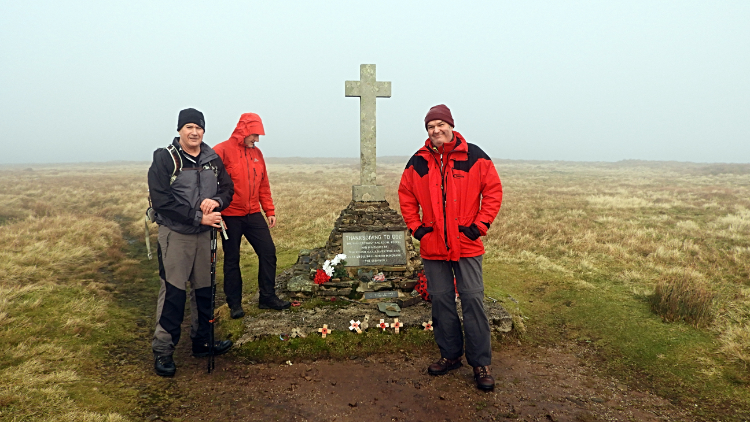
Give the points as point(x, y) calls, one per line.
point(244, 163)
point(458, 190)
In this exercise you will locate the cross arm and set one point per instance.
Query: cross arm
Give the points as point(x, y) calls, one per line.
point(354, 89)
point(383, 89)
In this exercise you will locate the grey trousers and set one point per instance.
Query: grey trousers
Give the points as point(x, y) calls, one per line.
point(445, 321)
point(183, 258)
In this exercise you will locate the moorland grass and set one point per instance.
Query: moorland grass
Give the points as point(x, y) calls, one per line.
point(680, 298)
point(579, 252)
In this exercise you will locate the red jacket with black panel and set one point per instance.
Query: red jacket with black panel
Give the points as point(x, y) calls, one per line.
point(466, 191)
point(248, 171)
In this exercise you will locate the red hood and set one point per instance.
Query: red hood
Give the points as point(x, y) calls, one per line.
point(249, 123)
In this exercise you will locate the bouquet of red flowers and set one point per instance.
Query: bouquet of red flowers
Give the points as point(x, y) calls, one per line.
point(321, 277)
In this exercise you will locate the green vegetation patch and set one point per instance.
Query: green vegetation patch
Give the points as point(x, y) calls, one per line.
point(629, 341)
point(337, 345)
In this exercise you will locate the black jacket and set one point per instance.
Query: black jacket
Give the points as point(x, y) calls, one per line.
point(177, 205)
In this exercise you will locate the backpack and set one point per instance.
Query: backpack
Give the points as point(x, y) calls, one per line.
point(150, 212)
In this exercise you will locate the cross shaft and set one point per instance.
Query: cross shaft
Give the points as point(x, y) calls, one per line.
point(368, 89)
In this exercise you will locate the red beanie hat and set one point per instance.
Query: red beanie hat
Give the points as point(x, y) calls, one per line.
point(439, 112)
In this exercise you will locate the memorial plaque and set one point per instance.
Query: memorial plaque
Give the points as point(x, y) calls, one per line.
point(375, 248)
point(380, 295)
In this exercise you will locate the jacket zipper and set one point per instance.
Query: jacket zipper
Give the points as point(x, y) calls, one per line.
point(247, 169)
point(200, 170)
point(442, 189)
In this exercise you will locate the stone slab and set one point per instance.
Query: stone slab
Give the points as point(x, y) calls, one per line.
point(374, 248)
point(368, 193)
point(300, 283)
point(334, 292)
point(410, 301)
point(340, 284)
point(407, 285)
point(390, 309)
point(381, 295)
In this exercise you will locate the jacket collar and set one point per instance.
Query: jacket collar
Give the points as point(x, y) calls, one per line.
point(207, 153)
point(459, 152)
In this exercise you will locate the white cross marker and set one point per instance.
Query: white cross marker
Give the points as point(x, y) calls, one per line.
point(325, 330)
point(355, 326)
point(383, 324)
point(427, 326)
point(396, 325)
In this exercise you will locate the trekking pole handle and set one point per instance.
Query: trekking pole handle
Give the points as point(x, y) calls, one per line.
point(224, 230)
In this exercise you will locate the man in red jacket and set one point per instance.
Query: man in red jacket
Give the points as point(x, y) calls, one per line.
point(458, 190)
point(244, 163)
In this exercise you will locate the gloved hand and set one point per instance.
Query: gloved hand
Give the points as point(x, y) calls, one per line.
point(472, 232)
point(421, 231)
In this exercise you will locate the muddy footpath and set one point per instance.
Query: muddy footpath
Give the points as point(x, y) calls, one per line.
point(533, 384)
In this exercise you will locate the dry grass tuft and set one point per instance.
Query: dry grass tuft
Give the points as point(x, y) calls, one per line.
point(683, 297)
point(91, 417)
point(735, 343)
point(602, 201)
point(738, 222)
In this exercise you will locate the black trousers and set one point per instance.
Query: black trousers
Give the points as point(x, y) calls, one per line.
point(255, 229)
point(445, 320)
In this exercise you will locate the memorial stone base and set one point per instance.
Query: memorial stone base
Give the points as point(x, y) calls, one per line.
point(375, 239)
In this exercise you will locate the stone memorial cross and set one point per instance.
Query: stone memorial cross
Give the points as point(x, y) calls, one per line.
point(367, 88)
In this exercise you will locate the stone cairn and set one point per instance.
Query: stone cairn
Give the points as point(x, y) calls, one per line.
point(357, 217)
point(370, 215)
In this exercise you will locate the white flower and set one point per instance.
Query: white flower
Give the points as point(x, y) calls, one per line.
point(328, 268)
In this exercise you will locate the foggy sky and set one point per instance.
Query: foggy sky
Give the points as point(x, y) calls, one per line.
point(547, 80)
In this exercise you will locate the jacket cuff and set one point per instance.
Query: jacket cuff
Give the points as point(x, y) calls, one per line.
point(482, 227)
point(221, 203)
point(198, 218)
point(270, 213)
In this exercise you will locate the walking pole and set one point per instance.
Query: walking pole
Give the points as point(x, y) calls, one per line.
point(211, 361)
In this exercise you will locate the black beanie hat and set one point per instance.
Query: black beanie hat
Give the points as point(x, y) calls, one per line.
point(190, 115)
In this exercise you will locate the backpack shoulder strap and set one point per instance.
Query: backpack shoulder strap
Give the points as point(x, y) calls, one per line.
point(177, 162)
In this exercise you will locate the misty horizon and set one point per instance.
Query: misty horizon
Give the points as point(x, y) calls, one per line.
point(536, 81)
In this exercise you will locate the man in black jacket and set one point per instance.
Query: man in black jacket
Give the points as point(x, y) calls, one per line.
point(189, 186)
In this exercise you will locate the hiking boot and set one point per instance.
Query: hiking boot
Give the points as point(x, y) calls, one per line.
point(164, 366)
point(274, 303)
point(483, 378)
point(220, 347)
point(443, 365)
point(236, 312)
